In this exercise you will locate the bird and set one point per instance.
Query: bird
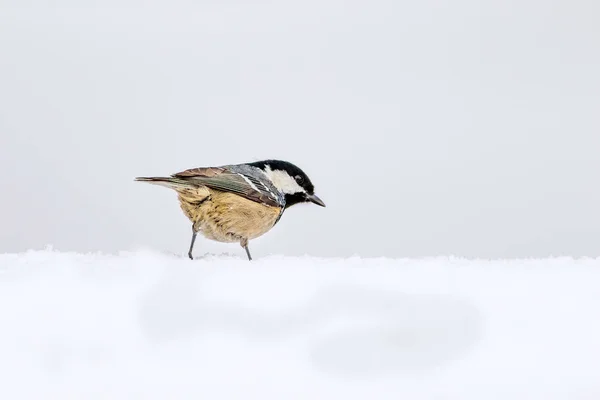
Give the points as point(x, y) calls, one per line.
point(238, 202)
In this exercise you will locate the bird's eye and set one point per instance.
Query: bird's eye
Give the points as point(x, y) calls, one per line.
point(299, 179)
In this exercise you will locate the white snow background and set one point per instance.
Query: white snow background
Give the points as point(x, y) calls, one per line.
point(148, 325)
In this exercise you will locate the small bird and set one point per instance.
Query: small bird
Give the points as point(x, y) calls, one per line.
point(238, 202)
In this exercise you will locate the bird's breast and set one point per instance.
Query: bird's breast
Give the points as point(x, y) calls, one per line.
point(226, 217)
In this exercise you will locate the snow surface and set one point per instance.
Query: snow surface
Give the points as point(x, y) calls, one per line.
point(147, 325)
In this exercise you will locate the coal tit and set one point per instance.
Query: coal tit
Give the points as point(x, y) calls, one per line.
point(238, 202)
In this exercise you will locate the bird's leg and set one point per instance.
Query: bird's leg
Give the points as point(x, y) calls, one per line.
point(248, 253)
point(244, 244)
point(194, 233)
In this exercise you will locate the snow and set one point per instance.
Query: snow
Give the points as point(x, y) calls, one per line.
point(148, 325)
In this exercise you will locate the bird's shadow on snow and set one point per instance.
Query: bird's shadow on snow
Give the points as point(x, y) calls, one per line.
point(409, 332)
point(347, 329)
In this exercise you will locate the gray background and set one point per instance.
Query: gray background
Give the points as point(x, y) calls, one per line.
point(428, 127)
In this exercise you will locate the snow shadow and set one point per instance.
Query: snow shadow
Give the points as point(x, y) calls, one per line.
point(408, 332)
point(345, 329)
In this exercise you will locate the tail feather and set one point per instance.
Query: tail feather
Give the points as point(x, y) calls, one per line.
point(171, 183)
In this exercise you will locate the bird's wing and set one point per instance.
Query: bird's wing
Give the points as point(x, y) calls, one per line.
point(226, 180)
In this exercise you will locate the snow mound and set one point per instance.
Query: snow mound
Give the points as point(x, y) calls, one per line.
point(146, 325)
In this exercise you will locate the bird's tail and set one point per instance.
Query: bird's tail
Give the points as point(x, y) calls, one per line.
point(170, 182)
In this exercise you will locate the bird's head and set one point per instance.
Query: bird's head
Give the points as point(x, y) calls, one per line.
point(291, 181)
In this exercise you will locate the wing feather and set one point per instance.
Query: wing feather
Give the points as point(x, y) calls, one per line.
point(225, 180)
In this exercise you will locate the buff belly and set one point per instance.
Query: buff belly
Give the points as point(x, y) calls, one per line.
point(226, 217)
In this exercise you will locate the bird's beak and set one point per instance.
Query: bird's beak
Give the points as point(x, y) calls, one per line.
point(313, 198)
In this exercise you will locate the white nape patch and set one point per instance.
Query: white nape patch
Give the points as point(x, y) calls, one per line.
point(252, 185)
point(283, 181)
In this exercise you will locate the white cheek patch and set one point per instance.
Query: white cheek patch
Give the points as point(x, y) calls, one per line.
point(282, 181)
